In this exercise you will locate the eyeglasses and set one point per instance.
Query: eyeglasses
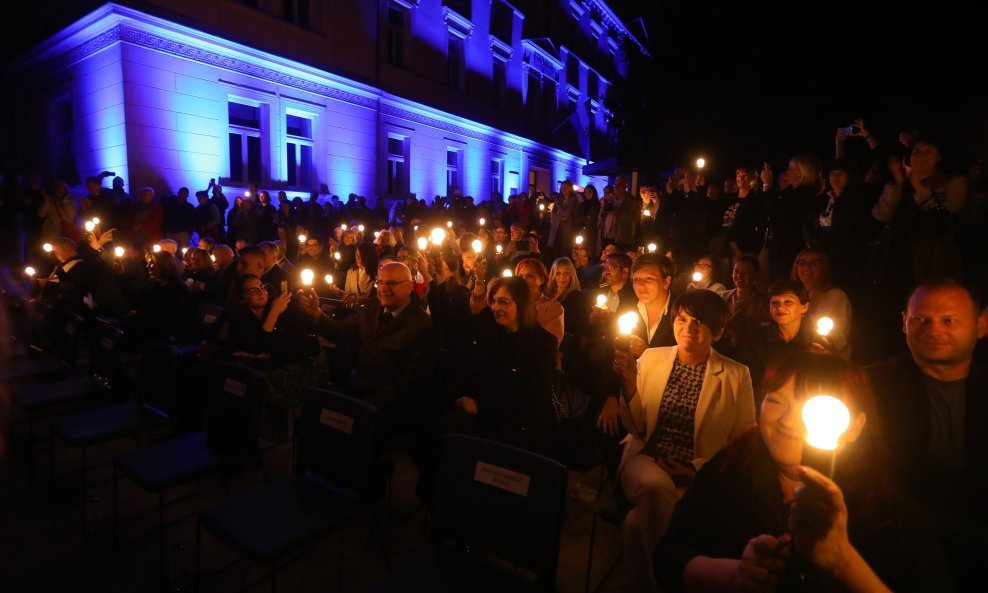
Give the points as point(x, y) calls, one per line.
point(389, 284)
point(502, 302)
point(808, 263)
point(256, 290)
point(611, 268)
point(312, 244)
point(703, 266)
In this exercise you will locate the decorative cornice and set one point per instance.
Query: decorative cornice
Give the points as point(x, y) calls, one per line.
point(457, 24)
point(500, 49)
point(395, 111)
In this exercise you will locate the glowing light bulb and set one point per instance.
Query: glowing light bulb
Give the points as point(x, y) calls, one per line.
point(423, 243)
point(212, 258)
point(449, 224)
point(377, 234)
point(30, 271)
point(47, 247)
point(416, 227)
point(602, 301)
point(360, 228)
point(343, 227)
point(826, 419)
point(542, 207)
point(118, 251)
point(482, 221)
point(579, 239)
point(156, 248)
point(477, 246)
point(328, 278)
point(697, 276)
point(336, 255)
point(437, 236)
point(627, 323)
point(89, 226)
point(302, 238)
point(307, 275)
point(95, 220)
point(646, 213)
point(824, 326)
point(499, 249)
point(247, 194)
point(507, 274)
point(652, 247)
point(701, 163)
point(185, 250)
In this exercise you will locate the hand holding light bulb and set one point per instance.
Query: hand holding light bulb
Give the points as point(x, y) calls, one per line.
point(307, 276)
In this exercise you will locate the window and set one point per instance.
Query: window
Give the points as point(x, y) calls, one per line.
point(453, 171)
point(298, 150)
point(454, 65)
point(396, 36)
point(502, 22)
point(245, 142)
point(296, 11)
point(593, 85)
point(497, 167)
point(499, 80)
point(573, 70)
point(533, 98)
point(397, 165)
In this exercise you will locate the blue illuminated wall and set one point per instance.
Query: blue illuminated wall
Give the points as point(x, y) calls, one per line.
point(151, 99)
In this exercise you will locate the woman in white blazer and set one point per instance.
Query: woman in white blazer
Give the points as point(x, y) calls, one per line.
point(681, 405)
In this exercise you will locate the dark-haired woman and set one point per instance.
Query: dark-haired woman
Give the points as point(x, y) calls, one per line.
point(757, 520)
point(682, 404)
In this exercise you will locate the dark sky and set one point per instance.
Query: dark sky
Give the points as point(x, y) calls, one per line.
point(752, 80)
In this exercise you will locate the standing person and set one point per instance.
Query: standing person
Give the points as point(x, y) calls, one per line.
point(562, 219)
point(789, 208)
point(178, 219)
point(629, 214)
point(681, 405)
point(606, 219)
point(57, 212)
point(207, 219)
point(266, 215)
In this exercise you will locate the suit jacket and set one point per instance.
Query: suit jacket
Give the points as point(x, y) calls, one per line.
point(724, 411)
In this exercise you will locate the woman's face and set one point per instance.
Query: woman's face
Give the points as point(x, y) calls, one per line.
point(359, 260)
point(691, 335)
point(925, 157)
point(786, 309)
point(744, 275)
point(255, 294)
point(809, 269)
point(505, 310)
point(531, 278)
point(563, 278)
point(838, 181)
point(704, 266)
point(781, 425)
point(794, 174)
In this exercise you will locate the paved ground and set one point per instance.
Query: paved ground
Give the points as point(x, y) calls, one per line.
point(44, 548)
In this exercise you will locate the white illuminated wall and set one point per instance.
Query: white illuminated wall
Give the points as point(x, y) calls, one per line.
point(150, 98)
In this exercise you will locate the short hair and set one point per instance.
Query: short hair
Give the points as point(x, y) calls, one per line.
point(622, 260)
point(538, 266)
point(521, 295)
point(465, 242)
point(786, 285)
point(749, 259)
point(268, 247)
point(665, 265)
point(942, 282)
point(66, 243)
point(705, 305)
point(252, 251)
point(208, 241)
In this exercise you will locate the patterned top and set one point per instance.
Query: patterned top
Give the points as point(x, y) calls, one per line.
point(672, 436)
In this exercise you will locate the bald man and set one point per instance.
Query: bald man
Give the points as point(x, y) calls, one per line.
point(218, 289)
point(392, 344)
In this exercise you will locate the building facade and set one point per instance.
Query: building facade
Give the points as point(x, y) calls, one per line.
point(379, 98)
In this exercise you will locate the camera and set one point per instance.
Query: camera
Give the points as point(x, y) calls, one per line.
point(850, 130)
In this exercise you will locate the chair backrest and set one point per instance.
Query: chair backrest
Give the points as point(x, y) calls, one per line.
point(42, 326)
point(105, 362)
point(67, 336)
point(207, 314)
point(502, 501)
point(338, 438)
point(234, 394)
point(159, 379)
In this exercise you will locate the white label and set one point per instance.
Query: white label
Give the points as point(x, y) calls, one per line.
point(107, 343)
point(209, 319)
point(234, 387)
point(502, 478)
point(333, 419)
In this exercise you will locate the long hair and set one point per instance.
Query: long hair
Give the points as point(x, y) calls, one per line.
point(236, 296)
point(552, 289)
point(521, 295)
point(811, 170)
point(368, 257)
point(826, 269)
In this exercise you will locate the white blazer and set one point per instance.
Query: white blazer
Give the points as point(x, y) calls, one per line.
point(724, 411)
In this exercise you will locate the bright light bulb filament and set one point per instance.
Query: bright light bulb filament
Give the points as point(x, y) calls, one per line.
point(826, 419)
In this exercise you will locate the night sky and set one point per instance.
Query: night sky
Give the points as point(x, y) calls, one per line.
point(745, 81)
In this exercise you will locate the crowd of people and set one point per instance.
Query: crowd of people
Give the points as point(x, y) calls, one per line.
point(672, 336)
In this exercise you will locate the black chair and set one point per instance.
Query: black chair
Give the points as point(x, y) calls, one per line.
point(337, 472)
point(159, 383)
point(207, 314)
point(233, 396)
point(498, 504)
point(611, 509)
point(57, 348)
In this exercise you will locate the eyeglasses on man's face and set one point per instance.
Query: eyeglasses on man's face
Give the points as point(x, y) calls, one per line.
point(390, 284)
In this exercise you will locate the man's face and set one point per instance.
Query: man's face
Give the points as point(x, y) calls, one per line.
point(942, 326)
point(393, 285)
point(62, 252)
point(744, 275)
point(614, 274)
point(313, 247)
point(500, 234)
point(517, 233)
point(93, 188)
point(183, 194)
point(607, 252)
point(253, 264)
point(650, 287)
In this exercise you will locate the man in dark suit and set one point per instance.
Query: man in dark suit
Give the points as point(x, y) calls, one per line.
point(394, 343)
point(72, 281)
point(933, 405)
point(274, 275)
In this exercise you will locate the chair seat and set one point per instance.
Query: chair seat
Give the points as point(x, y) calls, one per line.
point(30, 369)
point(173, 462)
point(86, 428)
point(265, 524)
point(441, 569)
point(52, 393)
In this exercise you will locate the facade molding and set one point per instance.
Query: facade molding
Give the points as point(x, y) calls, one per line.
point(458, 24)
point(394, 110)
point(500, 49)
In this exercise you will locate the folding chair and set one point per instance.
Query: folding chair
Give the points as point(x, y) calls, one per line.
point(337, 472)
point(501, 506)
point(56, 339)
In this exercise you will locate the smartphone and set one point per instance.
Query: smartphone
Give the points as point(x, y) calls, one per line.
point(284, 286)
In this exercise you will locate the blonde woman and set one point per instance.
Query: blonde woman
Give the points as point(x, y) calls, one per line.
point(789, 208)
